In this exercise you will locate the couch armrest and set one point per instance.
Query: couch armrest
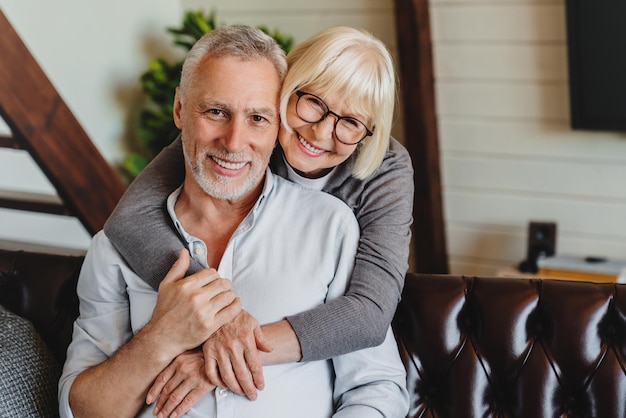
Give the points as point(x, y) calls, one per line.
point(42, 288)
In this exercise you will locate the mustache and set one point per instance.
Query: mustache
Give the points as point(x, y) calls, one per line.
point(229, 156)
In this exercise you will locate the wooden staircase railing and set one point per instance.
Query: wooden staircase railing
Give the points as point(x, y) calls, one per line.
point(43, 125)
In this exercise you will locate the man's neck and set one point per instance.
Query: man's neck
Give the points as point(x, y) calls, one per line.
point(211, 219)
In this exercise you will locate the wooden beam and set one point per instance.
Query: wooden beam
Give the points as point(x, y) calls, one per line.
point(33, 202)
point(418, 96)
point(47, 129)
point(8, 141)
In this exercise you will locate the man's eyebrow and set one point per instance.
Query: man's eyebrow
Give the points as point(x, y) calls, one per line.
point(211, 103)
point(265, 110)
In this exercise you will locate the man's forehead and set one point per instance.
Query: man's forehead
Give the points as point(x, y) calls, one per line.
point(231, 81)
point(238, 61)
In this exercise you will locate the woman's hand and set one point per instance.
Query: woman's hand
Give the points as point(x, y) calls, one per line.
point(180, 385)
point(232, 356)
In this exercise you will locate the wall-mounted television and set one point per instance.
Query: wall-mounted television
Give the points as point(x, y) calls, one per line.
point(596, 39)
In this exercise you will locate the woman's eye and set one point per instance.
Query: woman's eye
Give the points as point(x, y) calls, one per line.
point(352, 122)
point(315, 103)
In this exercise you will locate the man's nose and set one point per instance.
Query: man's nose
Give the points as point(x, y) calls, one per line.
point(236, 136)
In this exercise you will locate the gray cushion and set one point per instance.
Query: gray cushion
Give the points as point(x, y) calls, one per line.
point(29, 374)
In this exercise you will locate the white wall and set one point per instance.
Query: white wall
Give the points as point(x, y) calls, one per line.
point(94, 53)
point(508, 153)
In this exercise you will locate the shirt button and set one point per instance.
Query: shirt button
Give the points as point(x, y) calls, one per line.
point(198, 251)
point(223, 391)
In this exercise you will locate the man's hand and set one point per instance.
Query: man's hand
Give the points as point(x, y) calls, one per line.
point(189, 310)
point(180, 385)
point(234, 351)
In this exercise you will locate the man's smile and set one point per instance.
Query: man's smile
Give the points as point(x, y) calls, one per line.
point(229, 165)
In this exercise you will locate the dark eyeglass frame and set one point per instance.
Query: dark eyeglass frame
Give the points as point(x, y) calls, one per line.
point(368, 132)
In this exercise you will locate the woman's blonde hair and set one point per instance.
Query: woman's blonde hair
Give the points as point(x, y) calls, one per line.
point(356, 65)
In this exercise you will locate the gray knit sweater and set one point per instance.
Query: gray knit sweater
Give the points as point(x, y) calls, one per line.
point(142, 232)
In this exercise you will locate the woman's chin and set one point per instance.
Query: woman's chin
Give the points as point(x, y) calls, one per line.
point(304, 167)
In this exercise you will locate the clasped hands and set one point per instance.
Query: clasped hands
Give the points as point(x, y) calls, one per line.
point(229, 358)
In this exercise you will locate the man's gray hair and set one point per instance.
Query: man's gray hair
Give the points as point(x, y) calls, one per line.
point(244, 42)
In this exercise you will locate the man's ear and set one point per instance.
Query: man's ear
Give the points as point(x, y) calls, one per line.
point(177, 109)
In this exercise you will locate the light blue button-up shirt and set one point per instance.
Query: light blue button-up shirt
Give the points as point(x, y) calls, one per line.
point(293, 251)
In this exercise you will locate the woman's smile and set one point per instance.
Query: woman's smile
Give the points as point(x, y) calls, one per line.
point(312, 149)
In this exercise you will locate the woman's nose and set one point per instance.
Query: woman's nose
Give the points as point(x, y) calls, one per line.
point(324, 129)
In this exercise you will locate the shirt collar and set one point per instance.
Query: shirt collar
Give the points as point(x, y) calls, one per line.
point(268, 186)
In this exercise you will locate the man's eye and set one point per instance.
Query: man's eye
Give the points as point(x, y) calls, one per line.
point(257, 118)
point(216, 114)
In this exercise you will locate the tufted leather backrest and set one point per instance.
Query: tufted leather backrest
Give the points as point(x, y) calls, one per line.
point(472, 347)
point(502, 347)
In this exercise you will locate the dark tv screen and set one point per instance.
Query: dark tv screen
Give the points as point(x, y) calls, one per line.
point(596, 38)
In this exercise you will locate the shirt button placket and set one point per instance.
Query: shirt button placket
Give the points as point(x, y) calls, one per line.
point(198, 253)
point(224, 402)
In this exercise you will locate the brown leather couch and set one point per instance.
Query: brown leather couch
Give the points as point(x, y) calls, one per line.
point(472, 347)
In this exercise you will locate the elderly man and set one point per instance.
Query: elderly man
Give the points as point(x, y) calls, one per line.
point(259, 231)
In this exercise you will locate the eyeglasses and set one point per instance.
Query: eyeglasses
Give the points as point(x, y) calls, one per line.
point(312, 109)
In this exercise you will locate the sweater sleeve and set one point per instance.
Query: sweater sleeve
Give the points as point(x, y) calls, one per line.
point(383, 206)
point(139, 226)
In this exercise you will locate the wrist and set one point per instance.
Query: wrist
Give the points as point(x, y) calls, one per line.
point(285, 343)
point(158, 347)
